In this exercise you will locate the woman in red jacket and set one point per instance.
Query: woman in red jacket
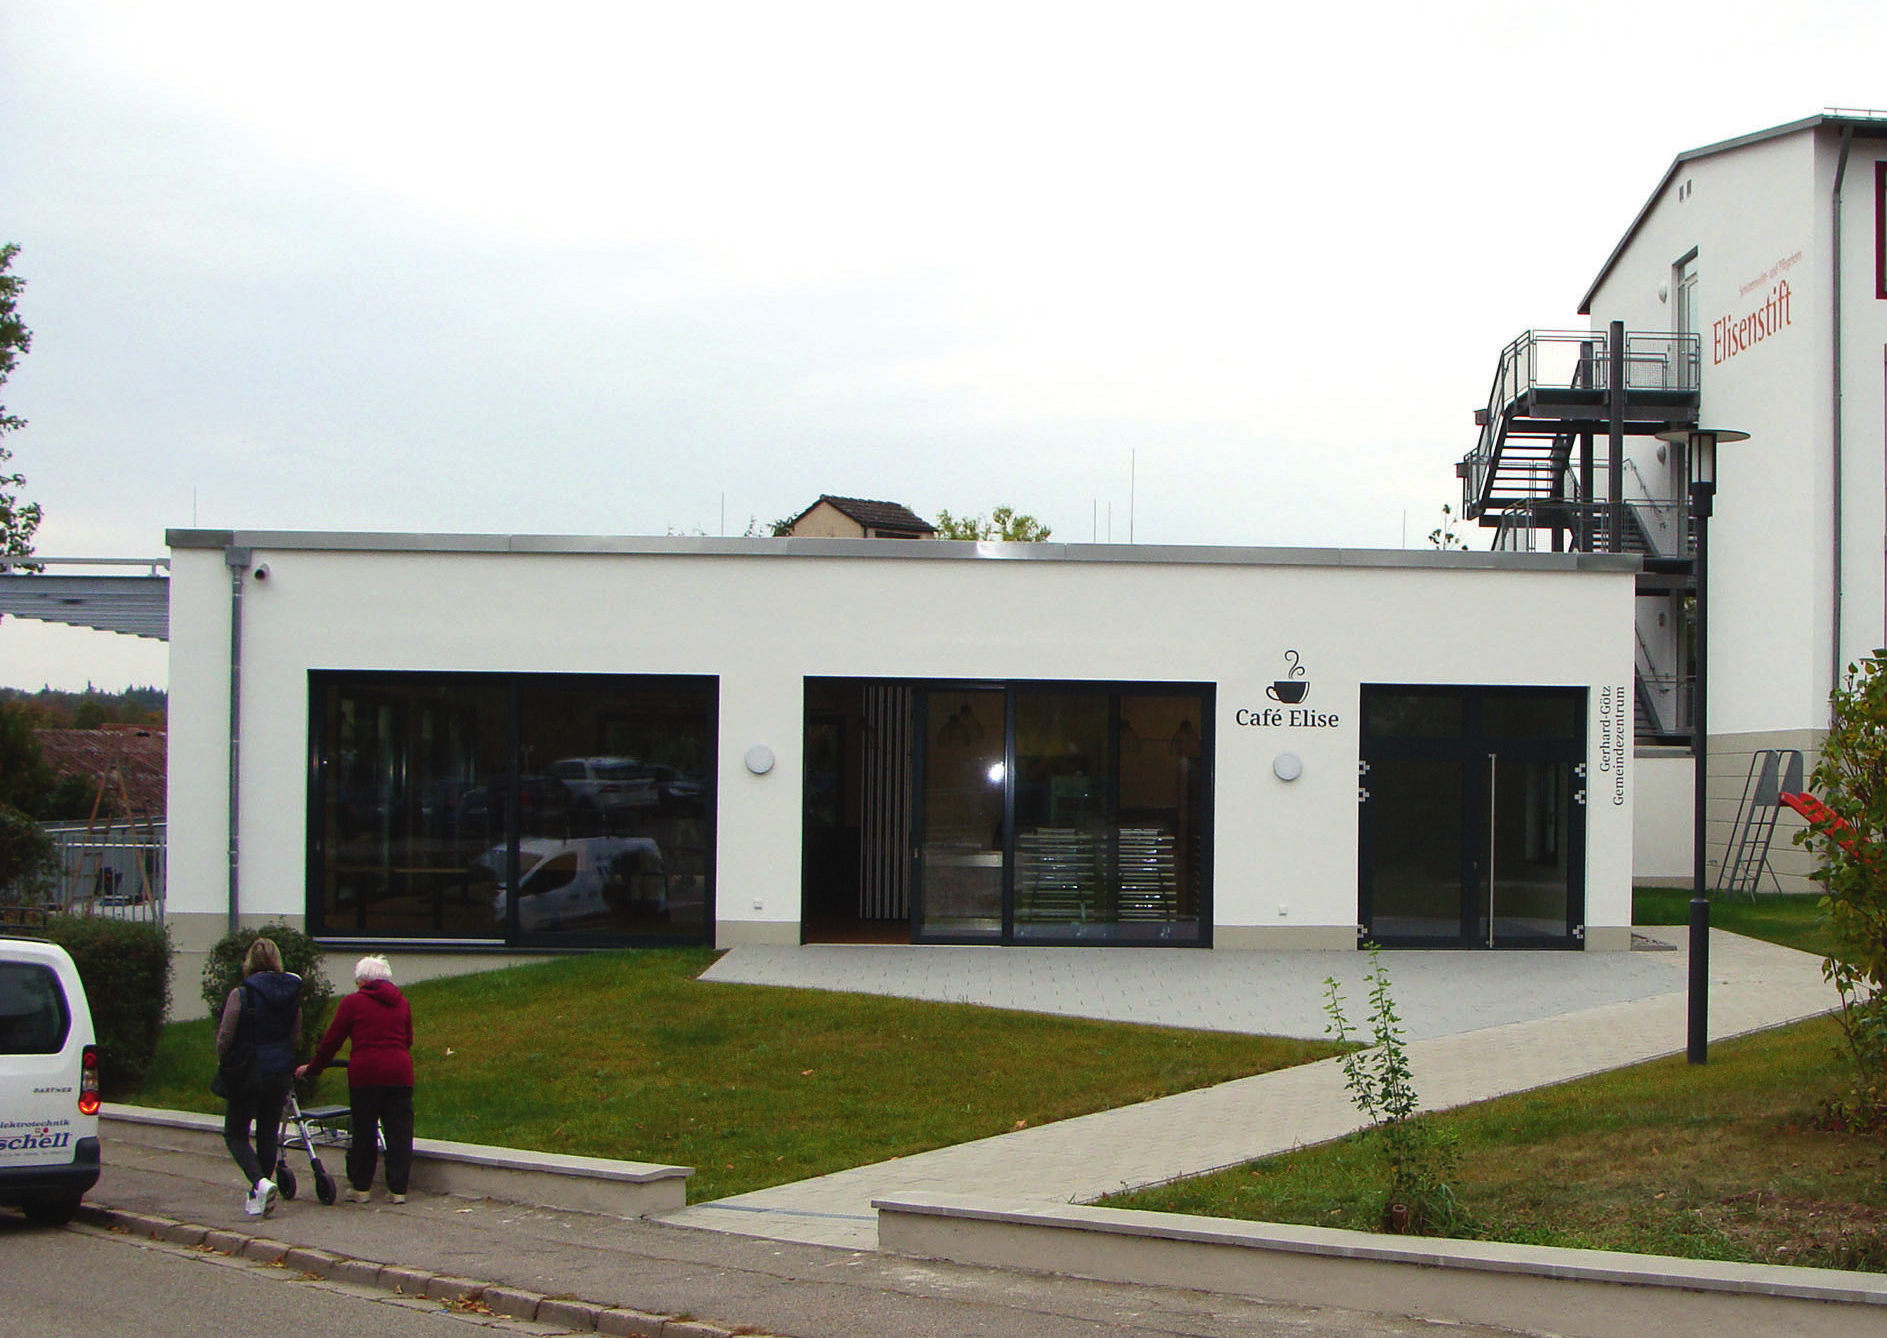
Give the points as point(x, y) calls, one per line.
point(378, 1022)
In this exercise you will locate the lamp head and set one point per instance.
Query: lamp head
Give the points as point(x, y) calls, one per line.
point(1700, 450)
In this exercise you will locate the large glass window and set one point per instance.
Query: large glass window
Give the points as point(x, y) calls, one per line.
point(1064, 813)
point(435, 795)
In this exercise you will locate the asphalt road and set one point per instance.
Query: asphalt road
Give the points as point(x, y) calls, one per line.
point(81, 1283)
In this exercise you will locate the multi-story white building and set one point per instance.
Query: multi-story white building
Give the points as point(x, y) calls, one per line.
point(1751, 294)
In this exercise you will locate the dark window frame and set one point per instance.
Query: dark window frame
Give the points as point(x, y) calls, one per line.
point(507, 937)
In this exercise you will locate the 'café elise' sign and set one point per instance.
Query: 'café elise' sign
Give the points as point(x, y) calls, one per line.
point(1290, 693)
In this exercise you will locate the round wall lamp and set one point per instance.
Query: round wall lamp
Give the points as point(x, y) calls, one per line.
point(1287, 766)
point(759, 759)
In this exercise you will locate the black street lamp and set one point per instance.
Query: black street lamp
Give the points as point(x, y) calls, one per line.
point(1701, 455)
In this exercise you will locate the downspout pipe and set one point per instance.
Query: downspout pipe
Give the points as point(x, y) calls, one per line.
point(238, 560)
point(1841, 172)
point(1616, 372)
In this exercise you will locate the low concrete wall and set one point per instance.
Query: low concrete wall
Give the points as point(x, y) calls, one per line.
point(468, 1170)
point(1577, 1293)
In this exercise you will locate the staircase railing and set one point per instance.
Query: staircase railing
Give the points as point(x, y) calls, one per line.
point(1666, 696)
point(1569, 359)
point(1572, 355)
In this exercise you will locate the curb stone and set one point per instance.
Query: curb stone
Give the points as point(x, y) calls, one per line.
point(407, 1284)
point(263, 1250)
point(692, 1328)
point(569, 1313)
point(443, 1287)
point(405, 1281)
point(621, 1322)
point(513, 1302)
point(360, 1272)
point(307, 1259)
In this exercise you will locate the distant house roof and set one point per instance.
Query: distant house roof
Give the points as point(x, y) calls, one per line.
point(138, 750)
point(890, 519)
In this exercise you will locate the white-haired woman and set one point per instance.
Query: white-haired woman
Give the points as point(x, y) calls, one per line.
point(376, 1023)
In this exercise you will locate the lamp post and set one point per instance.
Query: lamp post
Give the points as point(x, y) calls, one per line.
point(1701, 467)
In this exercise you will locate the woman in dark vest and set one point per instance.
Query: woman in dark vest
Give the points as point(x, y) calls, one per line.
point(263, 1013)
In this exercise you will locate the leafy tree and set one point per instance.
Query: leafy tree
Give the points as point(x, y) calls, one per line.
point(54, 708)
point(1003, 524)
point(18, 520)
point(25, 779)
point(27, 859)
point(1851, 779)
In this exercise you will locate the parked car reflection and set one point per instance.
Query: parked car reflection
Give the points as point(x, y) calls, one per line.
point(603, 790)
point(541, 802)
point(676, 791)
point(564, 883)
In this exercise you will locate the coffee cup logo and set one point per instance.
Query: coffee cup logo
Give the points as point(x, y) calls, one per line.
point(1294, 686)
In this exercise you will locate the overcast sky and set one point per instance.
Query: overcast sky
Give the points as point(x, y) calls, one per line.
point(1229, 273)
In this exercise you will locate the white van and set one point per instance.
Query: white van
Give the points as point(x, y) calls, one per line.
point(48, 1082)
point(569, 882)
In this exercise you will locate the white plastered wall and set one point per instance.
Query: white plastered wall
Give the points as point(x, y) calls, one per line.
point(1746, 212)
point(762, 617)
point(1757, 215)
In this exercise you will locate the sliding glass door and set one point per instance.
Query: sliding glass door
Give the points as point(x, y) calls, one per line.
point(1063, 813)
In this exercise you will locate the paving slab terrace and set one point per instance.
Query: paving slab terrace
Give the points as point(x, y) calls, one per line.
point(1480, 1025)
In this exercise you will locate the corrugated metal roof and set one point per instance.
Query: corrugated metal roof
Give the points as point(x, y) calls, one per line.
point(135, 752)
point(133, 605)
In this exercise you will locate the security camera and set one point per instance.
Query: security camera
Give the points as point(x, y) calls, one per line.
point(262, 571)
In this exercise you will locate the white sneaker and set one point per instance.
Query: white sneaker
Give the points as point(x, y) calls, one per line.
point(358, 1195)
point(261, 1199)
point(395, 1198)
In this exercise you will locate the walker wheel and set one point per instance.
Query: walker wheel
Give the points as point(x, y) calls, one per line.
point(324, 1188)
point(284, 1180)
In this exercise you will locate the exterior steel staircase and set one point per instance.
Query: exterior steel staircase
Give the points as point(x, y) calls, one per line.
point(1551, 467)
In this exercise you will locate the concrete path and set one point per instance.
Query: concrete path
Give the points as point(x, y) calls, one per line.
point(1481, 1024)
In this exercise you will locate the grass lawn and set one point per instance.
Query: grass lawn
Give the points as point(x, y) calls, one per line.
point(1715, 1162)
point(628, 1055)
point(1793, 921)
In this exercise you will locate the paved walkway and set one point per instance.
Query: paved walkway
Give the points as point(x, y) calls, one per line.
point(1480, 1024)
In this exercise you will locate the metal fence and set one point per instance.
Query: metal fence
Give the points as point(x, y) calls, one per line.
point(118, 873)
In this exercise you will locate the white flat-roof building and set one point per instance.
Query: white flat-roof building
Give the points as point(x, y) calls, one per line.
point(469, 743)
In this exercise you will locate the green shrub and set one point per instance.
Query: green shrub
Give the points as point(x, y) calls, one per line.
point(1418, 1154)
point(1851, 778)
point(223, 972)
point(125, 966)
